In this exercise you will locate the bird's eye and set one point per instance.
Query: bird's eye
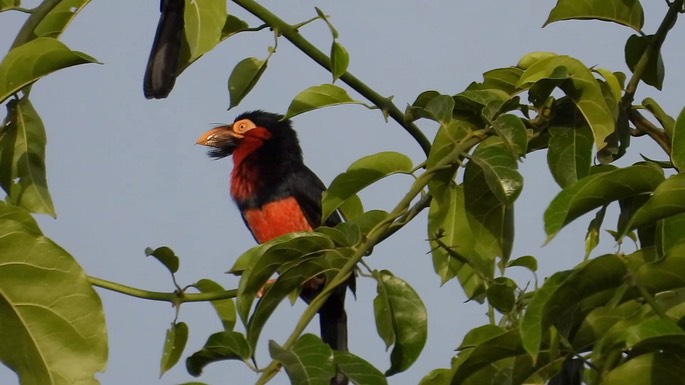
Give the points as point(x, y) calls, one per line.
point(243, 126)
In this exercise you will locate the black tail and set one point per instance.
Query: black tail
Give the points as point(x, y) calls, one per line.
point(162, 66)
point(333, 322)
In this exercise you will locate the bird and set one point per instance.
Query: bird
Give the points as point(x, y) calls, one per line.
point(276, 194)
point(162, 65)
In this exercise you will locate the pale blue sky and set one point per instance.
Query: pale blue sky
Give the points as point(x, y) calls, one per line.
point(125, 174)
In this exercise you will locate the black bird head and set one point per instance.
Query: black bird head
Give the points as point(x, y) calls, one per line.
point(252, 131)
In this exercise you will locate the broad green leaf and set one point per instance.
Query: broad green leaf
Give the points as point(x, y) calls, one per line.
point(502, 294)
point(166, 256)
point(52, 322)
point(504, 79)
point(309, 362)
point(512, 131)
point(175, 342)
point(220, 346)
point(440, 108)
point(340, 59)
point(438, 377)
point(292, 278)
point(499, 169)
point(678, 142)
point(317, 97)
point(448, 137)
point(267, 258)
point(559, 296)
point(527, 261)
point(478, 335)
point(401, 309)
point(29, 62)
point(417, 110)
point(357, 370)
point(232, 26)
point(668, 200)
point(614, 81)
point(361, 174)
point(476, 101)
point(344, 234)
point(57, 20)
point(624, 12)
point(600, 320)
point(666, 121)
point(22, 158)
point(204, 25)
point(669, 232)
point(532, 58)
point(507, 344)
point(243, 78)
point(225, 308)
point(667, 273)
point(598, 190)
point(581, 87)
point(447, 222)
point(649, 369)
point(655, 71)
point(570, 151)
point(369, 220)
point(18, 214)
point(351, 208)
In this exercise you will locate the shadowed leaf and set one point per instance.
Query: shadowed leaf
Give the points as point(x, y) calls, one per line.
point(309, 362)
point(220, 346)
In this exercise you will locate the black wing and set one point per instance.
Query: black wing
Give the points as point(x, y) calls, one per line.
point(307, 189)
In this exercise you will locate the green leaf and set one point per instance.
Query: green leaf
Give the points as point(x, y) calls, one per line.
point(57, 20)
point(504, 79)
point(655, 71)
point(499, 170)
point(369, 220)
point(175, 342)
point(512, 131)
point(678, 142)
point(527, 261)
point(204, 24)
point(417, 110)
point(651, 368)
point(581, 87)
point(402, 315)
point(225, 308)
point(22, 158)
point(357, 370)
point(317, 97)
point(669, 232)
point(351, 208)
point(340, 59)
point(309, 362)
point(593, 230)
point(166, 256)
point(361, 174)
point(598, 190)
point(438, 377)
point(668, 200)
point(624, 12)
point(570, 152)
point(440, 108)
point(502, 294)
point(220, 346)
point(667, 121)
point(243, 78)
point(504, 345)
point(233, 26)
point(29, 62)
point(7, 4)
point(53, 325)
point(323, 17)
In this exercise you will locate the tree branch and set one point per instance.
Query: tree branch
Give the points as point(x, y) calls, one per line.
point(176, 298)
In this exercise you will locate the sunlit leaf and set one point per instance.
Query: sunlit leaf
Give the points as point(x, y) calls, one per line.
point(625, 12)
point(504, 79)
point(361, 174)
point(243, 78)
point(512, 131)
point(570, 151)
point(174, 343)
point(220, 346)
point(317, 97)
point(668, 199)
point(232, 26)
point(57, 20)
point(357, 370)
point(499, 168)
point(651, 368)
point(22, 158)
point(487, 352)
point(53, 325)
point(166, 256)
point(597, 190)
point(29, 62)
point(400, 314)
point(309, 362)
point(440, 108)
point(340, 59)
point(527, 261)
point(204, 25)
point(225, 308)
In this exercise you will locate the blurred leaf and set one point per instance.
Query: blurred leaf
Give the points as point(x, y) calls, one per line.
point(323, 17)
point(22, 158)
point(581, 87)
point(243, 78)
point(53, 325)
point(447, 137)
point(351, 207)
point(655, 71)
point(678, 142)
point(512, 131)
point(487, 352)
point(438, 377)
point(600, 320)
point(29, 62)
point(669, 232)
point(166, 256)
point(267, 258)
point(6, 4)
point(400, 319)
point(417, 110)
point(504, 79)
point(204, 24)
point(233, 26)
point(225, 308)
point(597, 190)
point(317, 97)
point(57, 20)
point(667, 273)
point(570, 151)
point(476, 101)
point(667, 200)
point(527, 261)
point(532, 58)
point(293, 277)
point(614, 81)
point(651, 368)
point(309, 362)
point(369, 220)
point(502, 294)
point(340, 59)
point(362, 173)
point(220, 346)
point(667, 121)
point(624, 12)
point(358, 370)
point(175, 342)
point(440, 108)
point(593, 229)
